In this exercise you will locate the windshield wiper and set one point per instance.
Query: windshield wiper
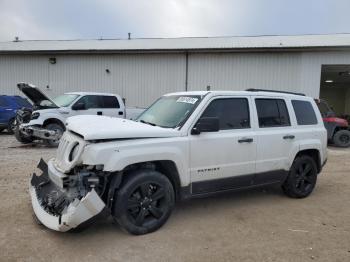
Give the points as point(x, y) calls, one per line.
point(149, 123)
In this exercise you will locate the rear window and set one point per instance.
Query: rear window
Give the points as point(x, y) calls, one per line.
point(110, 102)
point(304, 112)
point(3, 102)
point(272, 112)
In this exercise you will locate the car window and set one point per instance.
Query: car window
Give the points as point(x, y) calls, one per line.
point(304, 112)
point(233, 113)
point(110, 102)
point(3, 102)
point(91, 101)
point(272, 112)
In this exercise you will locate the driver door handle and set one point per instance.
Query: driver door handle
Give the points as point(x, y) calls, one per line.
point(245, 140)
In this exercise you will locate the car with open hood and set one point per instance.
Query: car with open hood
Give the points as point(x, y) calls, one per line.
point(185, 145)
point(47, 120)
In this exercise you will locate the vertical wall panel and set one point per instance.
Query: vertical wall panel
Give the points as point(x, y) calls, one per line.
point(25, 68)
point(239, 71)
point(141, 78)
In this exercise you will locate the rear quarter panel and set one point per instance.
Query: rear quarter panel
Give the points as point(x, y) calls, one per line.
point(311, 136)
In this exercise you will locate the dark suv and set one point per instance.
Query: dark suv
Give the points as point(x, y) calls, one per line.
point(8, 108)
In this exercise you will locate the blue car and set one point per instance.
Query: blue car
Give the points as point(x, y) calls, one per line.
point(8, 108)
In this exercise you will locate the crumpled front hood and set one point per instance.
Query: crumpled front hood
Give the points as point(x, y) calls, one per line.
point(93, 127)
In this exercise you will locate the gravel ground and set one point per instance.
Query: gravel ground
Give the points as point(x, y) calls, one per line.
point(255, 225)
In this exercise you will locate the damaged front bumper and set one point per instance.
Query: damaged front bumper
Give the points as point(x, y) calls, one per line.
point(39, 132)
point(54, 207)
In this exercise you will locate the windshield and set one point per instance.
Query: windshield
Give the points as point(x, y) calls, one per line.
point(64, 100)
point(170, 111)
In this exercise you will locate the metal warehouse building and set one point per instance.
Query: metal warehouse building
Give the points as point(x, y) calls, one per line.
point(143, 69)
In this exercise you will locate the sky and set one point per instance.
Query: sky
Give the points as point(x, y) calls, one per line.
point(95, 19)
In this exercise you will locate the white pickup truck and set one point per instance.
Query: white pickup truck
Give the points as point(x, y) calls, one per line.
point(47, 121)
point(185, 145)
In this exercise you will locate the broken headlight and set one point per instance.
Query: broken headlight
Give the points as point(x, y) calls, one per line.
point(74, 152)
point(35, 116)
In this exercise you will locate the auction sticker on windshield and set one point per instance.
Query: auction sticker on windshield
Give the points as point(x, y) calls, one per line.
point(186, 99)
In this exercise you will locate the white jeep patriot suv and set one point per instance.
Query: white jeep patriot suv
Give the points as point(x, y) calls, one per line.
point(185, 145)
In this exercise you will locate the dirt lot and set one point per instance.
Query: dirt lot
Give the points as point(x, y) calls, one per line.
point(255, 225)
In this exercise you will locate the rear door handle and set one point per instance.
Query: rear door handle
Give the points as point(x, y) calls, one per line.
point(245, 140)
point(99, 113)
point(288, 137)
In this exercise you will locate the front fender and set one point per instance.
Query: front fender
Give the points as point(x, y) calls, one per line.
point(43, 117)
point(115, 156)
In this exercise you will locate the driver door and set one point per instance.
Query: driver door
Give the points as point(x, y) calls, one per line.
point(224, 159)
point(93, 105)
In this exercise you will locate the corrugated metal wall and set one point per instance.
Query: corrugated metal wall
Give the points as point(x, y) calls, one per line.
point(141, 78)
point(239, 71)
point(15, 68)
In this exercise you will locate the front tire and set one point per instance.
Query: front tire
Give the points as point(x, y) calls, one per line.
point(59, 129)
point(11, 127)
point(21, 137)
point(302, 177)
point(144, 202)
point(342, 138)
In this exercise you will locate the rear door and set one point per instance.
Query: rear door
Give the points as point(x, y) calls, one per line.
point(276, 138)
point(225, 159)
point(111, 106)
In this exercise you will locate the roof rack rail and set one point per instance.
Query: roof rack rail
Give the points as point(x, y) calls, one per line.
point(274, 91)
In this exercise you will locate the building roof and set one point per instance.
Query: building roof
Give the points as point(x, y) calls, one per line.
point(180, 44)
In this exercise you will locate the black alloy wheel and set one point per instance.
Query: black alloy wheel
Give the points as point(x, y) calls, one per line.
point(302, 177)
point(144, 202)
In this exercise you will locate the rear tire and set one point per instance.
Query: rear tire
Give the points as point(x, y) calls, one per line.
point(342, 138)
point(58, 128)
point(302, 177)
point(144, 203)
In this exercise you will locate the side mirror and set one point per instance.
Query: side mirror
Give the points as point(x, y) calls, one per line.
point(79, 106)
point(206, 124)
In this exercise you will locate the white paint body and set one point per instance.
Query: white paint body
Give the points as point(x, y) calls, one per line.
point(129, 142)
point(189, 152)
